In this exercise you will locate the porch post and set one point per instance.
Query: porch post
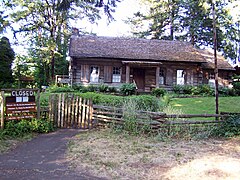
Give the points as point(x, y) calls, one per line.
point(157, 77)
point(127, 74)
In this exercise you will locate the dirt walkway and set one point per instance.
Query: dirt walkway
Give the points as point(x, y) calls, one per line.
point(41, 158)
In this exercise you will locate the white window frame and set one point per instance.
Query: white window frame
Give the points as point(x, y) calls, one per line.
point(94, 74)
point(161, 76)
point(116, 75)
point(180, 77)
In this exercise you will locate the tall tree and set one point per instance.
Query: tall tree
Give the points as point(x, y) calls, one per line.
point(189, 20)
point(6, 59)
point(162, 18)
point(46, 24)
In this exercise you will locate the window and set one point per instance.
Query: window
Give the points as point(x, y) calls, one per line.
point(211, 75)
point(94, 76)
point(116, 74)
point(161, 76)
point(180, 77)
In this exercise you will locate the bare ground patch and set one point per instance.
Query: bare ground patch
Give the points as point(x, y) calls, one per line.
point(120, 156)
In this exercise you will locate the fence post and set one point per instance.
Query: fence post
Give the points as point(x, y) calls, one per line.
point(38, 104)
point(2, 100)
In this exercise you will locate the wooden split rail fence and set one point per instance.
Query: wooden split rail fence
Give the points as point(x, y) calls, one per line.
point(71, 111)
point(155, 120)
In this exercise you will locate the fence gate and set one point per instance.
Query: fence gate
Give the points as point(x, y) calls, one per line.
point(70, 111)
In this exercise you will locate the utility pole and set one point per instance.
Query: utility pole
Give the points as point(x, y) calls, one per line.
point(215, 56)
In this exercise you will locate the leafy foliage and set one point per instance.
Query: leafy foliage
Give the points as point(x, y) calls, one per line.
point(57, 89)
point(158, 92)
point(236, 87)
point(128, 89)
point(229, 128)
point(23, 127)
point(6, 59)
point(193, 90)
point(143, 102)
point(47, 27)
point(189, 20)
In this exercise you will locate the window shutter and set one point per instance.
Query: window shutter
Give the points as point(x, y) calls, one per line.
point(108, 74)
point(85, 73)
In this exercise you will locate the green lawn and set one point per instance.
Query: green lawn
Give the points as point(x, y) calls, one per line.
point(206, 105)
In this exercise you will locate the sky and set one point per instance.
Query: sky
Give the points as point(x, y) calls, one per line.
point(124, 10)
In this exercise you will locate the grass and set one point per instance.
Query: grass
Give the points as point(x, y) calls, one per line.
point(107, 154)
point(9, 143)
point(205, 105)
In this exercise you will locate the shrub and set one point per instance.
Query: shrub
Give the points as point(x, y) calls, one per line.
point(91, 88)
point(103, 88)
point(224, 91)
point(41, 126)
point(194, 90)
point(112, 89)
point(103, 99)
point(236, 87)
point(77, 87)
point(131, 122)
point(187, 89)
point(56, 89)
point(206, 89)
point(158, 92)
point(16, 129)
point(128, 89)
point(23, 127)
point(145, 102)
point(44, 98)
point(230, 127)
point(177, 89)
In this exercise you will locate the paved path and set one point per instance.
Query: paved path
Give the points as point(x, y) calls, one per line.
point(40, 158)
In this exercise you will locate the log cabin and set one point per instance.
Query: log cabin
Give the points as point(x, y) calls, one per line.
point(148, 63)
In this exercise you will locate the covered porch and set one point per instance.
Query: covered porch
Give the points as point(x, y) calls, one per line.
point(146, 75)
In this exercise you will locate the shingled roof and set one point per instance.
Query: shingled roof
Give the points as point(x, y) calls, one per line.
point(222, 62)
point(134, 49)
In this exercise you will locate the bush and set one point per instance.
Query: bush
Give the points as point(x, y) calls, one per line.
point(229, 128)
point(236, 87)
point(158, 92)
point(91, 88)
point(41, 126)
point(194, 90)
point(128, 89)
point(56, 89)
point(224, 91)
point(103, 99)
point(187, 89)
point(145, 102)
point(112, 89)
point(16, 129)
point(23, 127)
point(177, 89)
point(103, 88)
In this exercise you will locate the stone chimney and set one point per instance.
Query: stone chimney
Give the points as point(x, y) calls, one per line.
point(75, 32)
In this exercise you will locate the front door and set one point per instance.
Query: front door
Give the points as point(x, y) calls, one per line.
point(139, 78)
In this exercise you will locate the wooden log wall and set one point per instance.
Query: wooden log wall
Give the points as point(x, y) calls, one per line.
point(70, 111)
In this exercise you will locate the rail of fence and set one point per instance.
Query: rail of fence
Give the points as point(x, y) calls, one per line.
point(104, 115)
